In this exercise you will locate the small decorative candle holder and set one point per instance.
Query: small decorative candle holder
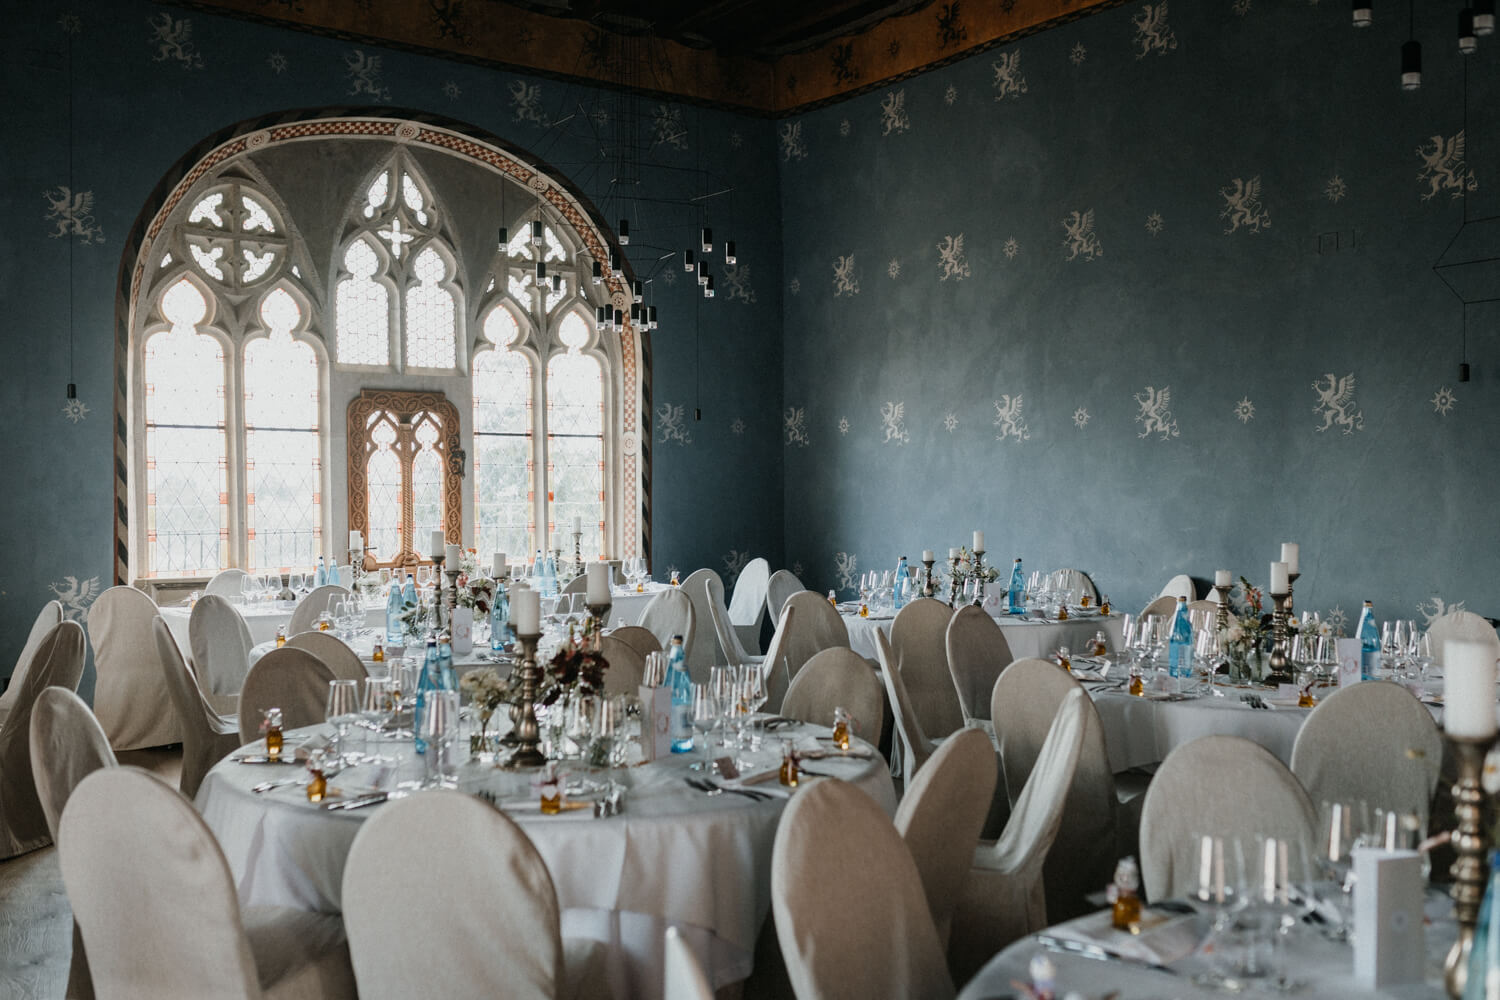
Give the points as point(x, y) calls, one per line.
point(1280, 663)
point(953, 584)
point(527, 734)
point(1221, 618)
point(927, 584)
point(979, 578)
point(1468, 869)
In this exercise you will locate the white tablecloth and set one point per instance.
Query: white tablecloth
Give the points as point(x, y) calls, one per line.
point(1026, 638)
point(1139, 731)
point(261, 619)
point(673, 857)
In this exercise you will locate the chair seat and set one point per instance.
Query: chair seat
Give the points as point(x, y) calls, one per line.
point(298, 953)
point(585, 969)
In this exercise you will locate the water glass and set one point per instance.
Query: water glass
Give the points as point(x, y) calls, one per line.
point(343, 710)
point(440, 725)
point(609, 737)
point(705, 715)
point(375, 707)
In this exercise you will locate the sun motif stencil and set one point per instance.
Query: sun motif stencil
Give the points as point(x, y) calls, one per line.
point(950, 95)
point(1335, 189)
point(1011, 248)
point(277, 62)
point(1443, 400)
point(950, 421)
point(74, 410)
point(1077, 54)
point(1080, 418)
point(737, 426)
point(843, 425)
point(1154, 224)
point(1244, 410)
point(794, 286)
point(452, 91)
point(893, 269)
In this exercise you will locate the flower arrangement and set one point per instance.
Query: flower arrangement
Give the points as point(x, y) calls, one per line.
point(487, 691)
point(1248, 628)
point(965, 570)
point(475, 588)
point(576, 666)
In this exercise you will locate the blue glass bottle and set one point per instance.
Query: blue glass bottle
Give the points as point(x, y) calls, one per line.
point(409, 592)
point(1180, 645)
point(1369, 642)
point(428, 680)
point(898, 590)
point(321, 577)
point(550, 572)
point(1484, 958)
point(446, 679)
point(394, 606)
point(1017, 595)
point(682, 697)
point(500, 632)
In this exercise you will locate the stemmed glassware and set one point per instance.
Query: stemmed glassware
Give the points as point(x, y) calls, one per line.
point(705, 715)
point(751, 695)
point(343, 711)
point(1219, 892)
point(1340, 827)
point(376, 708)
point(721, 684)
point(1206, 655)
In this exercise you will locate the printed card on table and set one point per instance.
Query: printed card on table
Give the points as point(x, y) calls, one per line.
point(463, 631)
point(1349, 655)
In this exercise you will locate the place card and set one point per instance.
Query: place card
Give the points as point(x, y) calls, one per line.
point(463, 631)
point(656, 722)
point(1389, 940)
point(1349, 651)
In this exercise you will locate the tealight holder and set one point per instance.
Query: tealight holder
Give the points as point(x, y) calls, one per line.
point(1468, 869)
point(527, 734)
point(598, 616)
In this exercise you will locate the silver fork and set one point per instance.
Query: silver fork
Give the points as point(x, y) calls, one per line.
point(266, 786)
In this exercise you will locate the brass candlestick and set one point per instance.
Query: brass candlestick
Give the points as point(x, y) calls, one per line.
point(437, 604)
point(598, 617)
point(452, 575)
point(578, 553)
point(979, 578)
point(1221, 619)
point(1468, 870)
point(927, 587)
point(953, 584)
point(1291, 585)
point(527, 734)
point(1280, 662)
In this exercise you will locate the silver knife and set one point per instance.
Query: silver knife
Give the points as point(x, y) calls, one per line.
point(358, 802)
point(1099, 952)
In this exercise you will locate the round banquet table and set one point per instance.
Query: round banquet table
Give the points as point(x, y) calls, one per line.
point(1026, 636)
point(261, 619)
point(673, 856)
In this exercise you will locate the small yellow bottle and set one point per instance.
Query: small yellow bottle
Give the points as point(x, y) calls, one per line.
point(788, 764)
point(1137, 686)
point(1062, 611)
point(1104, 605)
point(317, 781)
point(552, 792)
point(378, 656)
point(1126, 915)
point(864, 611)
point(841, 728)
point(280, 636)
point(832, 599)
point(274, 737)
point(1305, 699)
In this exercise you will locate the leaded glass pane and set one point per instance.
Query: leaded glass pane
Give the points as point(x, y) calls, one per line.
point(257, 264)
point(379, 190)
point(426, 480)
point(208, 259)
point(256, 216)
point(504, 477)
point(186, 485)
point(412, 195)
point(208, 209)
point(364, 306)
point(282, 489)
point(431, 331)
point(383, 475)
point(575, 446)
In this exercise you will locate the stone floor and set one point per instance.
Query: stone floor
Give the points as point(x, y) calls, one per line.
point(36, 923)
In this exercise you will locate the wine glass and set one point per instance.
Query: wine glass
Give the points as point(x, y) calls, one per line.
point(1206, 653)
point(721, 681)
point(1278, 891)
point(343, 710)
point(753, 695)
point(1219, 892)
point(705, 715)
point(375, 707)
point(1340, 827)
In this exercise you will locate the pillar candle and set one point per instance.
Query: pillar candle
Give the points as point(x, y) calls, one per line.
point(499, 568)
point(978, 541)
point(526, 611)
point(451, 555)
point(1289, 553)
point(1279, 584)
point(1468, 689)
point(356, 541)
point(435, 544)
point(598, 587)
point(952, 553)
point(927, 555)
point(554, 542)
point(1222, 578)
point(577, 525)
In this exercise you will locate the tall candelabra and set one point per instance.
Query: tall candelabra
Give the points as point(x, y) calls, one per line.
point(1221, 618)
point(979, 577)
point(1468, 870)
point(527, 734)
point(452, 575)
point(953, 584)
point(927, 585)
point(578, 553)
point(437, 604)
point(1280, 662)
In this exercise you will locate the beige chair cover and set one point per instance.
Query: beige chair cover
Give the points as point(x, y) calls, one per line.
point(130, 691)
point(291, 679)
point(1212, 607)
point(1216, 785)
point(914, 739)
point(516, 951)
point(779, 589)
point(1078, 581)
point(577, 585)
point(1461, 625)
point(977, 653)
point(774, 663)
point(1094, 827)
point(50, 615)
point(670, 613)
point(220, 643)
point(641, 640)
point(919, 640)
point(851, 914)
point(941, 816)
point(1166, 605)
point(1180, 585)
point(226, 583)
point(305, 615)
point(685, 979)
point(1004, 900)
point(729, 639)
point(206, 735)
point(747, 606)
point(57, 661)
point(153, 895)
point(703, 587)
point(817, 627)
point(67, 745)
point(837, 678)
point(627, 667)
point(334, 652)
point(1355, 726)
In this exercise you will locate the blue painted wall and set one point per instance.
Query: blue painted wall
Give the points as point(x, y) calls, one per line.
point(141, 103)
point(1335, 278)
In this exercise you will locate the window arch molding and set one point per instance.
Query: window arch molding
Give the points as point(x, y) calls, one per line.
point(630, 511)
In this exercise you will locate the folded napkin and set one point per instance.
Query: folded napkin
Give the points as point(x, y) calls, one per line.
point(1164, 938)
